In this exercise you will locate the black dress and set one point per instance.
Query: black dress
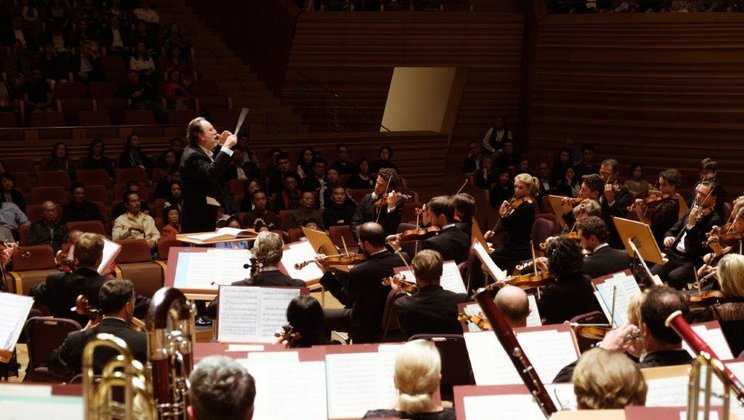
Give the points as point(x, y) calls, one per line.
point(445, 414)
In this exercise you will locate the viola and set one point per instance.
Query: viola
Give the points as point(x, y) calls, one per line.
point(288, 336)
point(653, 200)
point(570, 235)
point(400, 282)
point(64, 264)
point(479, 321)
point(530, 280)
point(83, 307)
point(341, 259)
point(704, 299)
point(418, 234)
point(728, 234)
point(398, 196)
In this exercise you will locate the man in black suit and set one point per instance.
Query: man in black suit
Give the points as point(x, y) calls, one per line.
point(361, 290)
point(685, 240)
point(432, 310)
point(614, 200)
point(451, 242)
point(116, 301)
point(200, 173)
point(604, 260)
point(663, 346)
point(390, 211)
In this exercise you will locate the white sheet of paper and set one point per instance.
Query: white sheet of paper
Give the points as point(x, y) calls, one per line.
point(26, 390)
point(25, 408)
point(229, 264)
point(563, 396)
point(492, 366)
point(274, 356)
point(245, 347)
point(201, 272)
point(533, 319)
point(498, 407)
point(14, 310)
point(358, 382)
point(299, 252)
point(451, 279)
point(714, 338)
point(627, 287)
point(110, 250)
point(275, 380)
point(491, 266)
point(252, 314)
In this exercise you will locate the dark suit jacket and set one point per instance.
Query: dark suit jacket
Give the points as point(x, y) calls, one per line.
point(654, 359)
point(432, 310)
point(200, 175)
point(695, 238)
point(451, 243)
point(567, 297)
point(619, 208)
point(605, 261)
point(362, 290)
point(60, 291)
point(518, 226)
point(68, 357)
point(367, 212)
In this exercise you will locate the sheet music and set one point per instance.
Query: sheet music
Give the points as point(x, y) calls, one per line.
point(252, 314)
point(230, 263)
point(274, 356)
point(200, 273)
point(25, 390)
point(24, 408)
point(627, 287)
point(492, 366)
point(472, 309)
point(563, 396)
point(199, 270)
point(533, 319)
point(358, 382)
point(299, 252)
point(451, 279)
point(245, 347)
point(303, 382)
point(15, 309)
point(714, 338)
point(497, 407)
point(110, 251)
point(491, 266)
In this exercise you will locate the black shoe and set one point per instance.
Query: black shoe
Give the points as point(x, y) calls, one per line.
point(202, 321)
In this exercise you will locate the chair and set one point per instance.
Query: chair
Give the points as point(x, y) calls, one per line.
point(71, 107)
point(70, 90)
point(131, 174)
point(541, 230)
point(164, 245)
point(337, 233)
point(14, 165)
point(114, 106)
point(8, 120)
point(22, 181)
point(180, 116)
point(135, 262)
point(113, 63)
point(47, 119)
point(594, 317)
point(97, 193)
point(236, 186)
point(94, 118)
point(103, 89)
point(139, 117)
point(44, 335)
point(390, 320)
point(552, 218)
point(23, 231)
point(357, 195)
point(91, 177)
point(94, 226)
point(284, 218)
point(28, 272)
point(295, 235)
point(456, 369)
point(55, 194)
point(53, 179)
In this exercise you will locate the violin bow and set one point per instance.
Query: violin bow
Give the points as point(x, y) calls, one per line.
point(534, 259)
point(384, 195)
point(346, 250)
point(695, 205)
point(462, 186)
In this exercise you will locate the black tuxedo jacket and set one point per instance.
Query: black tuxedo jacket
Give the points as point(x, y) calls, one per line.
point(200, 176)
point(60, 291)
point(68, 358)
point(451, 243)
point(695, 237)
point(654, 359)
point(605, 261)
point(432, 310)
point(367, 212)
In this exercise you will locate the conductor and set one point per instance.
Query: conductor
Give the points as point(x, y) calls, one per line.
point(200, 172)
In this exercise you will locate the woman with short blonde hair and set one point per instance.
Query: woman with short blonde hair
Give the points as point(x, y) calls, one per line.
point(605, 380)
point(731, 275)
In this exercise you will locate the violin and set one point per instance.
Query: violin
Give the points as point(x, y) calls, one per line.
point(479, 321)
point(403, 285)
point(570, 235)
point(64, 264)
point(341, 259)
point(418, 234)
point(515, 202)
point(704, 299)
point(598, 331)
point(83, 307)
point(398, 196)
point(288, 336)
point(574, 201)
point(6, 252)
point(653, 200)
point(728, 234)
point(530, 280)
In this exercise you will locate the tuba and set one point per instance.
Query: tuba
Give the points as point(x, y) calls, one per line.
point(121, 372)
point(706, 357)
point(170, 325)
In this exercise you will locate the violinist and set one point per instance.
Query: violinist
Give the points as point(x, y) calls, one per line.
point(614, 199)
point(708, 172)
point(305, 316)
point(464, 212)
point(665, 203)
point(361, 290)
point(390, 211)
point(590, 190)
point(684, 241)
point(116, 301)
point(517, 216)
point(603, 260)
point(431, 310)
point(514, 304)
point(586, 208)
point(728, 237)
point(730, 274)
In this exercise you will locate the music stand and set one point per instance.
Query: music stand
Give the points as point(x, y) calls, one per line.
point(644, 243)
point(555, 204)
point(320, 241)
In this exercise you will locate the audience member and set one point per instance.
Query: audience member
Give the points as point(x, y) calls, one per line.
point(174, 40)
point(306, 211)
point(37, 95)
point(233, 223)
point(249, 188)
point(141, 62)
point(221, 389)
point(343, 164)
point(49, 230)
point(135, 224)
point(145, 13)
point(275, 182)
point(316, 179)
point(163, 187)
point(59, 160)
point(115, 38)
point(133, 156)
point(175, 196)
point(97, 160)
point(332, 181)
point(142, 95)
point(362, 179)
point(496, 135)
point(54, 65)
point(306, 162)
point(384, 160)
point(260, 218)
point(586, 166)
point(121, 207)
point(485, 176)
point(637, 184)
point(289, 197)
point(12, 217)
point(339, 210)
point(10, 194)
point(85, 65)
point(172, 226)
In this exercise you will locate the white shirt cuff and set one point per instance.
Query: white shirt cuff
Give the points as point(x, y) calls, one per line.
point(226, 150)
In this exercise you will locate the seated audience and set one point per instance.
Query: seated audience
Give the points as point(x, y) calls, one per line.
point(79, 208)
point(606, 380)
point(513, 303)
point(289, 197)
point(116, 303)
point(417, 374)
point(385, 154)
point(332, 180)
point(502, 185)
point(10, 194)
point(306, 210)
point(176, 93)
point(251, 186)
point(175, 196)
point(472, 160)
point(221, 388)
point(306, 163)
point(59, 160)
point(361, 180)
point(637, 184)
point(315, 179)
point(496, 135)
point(275, 181)
point(163, 187)
point(172, 225)
point(85, 65)
point(339, 210)
point(97, 160)
point(12, 217)
point(260, 218)
point(431, 310)
point(115, 38)
point(133, 156)
point(37, 95)
point(121, 207)
point(49, 230)
point(135, 224)
point(343, 164)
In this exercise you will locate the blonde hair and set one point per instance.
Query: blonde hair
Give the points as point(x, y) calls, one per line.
point(417, 375)
point(634, 308)
point(605, 380)
point(532, 182)
point(731, 275)
point(589, 208)
point(268, 248)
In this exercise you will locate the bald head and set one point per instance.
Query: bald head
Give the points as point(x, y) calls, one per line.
point(514, 304)
point(49, 210)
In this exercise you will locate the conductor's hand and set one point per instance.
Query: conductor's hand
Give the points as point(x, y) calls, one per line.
point(668, 241)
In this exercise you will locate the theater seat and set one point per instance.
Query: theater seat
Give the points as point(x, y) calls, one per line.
point(47, 119)
point(103, 89)
point(30, 271)
point(164, 245)
point(139, 117)
point(8, 120)
point(135, 263)
point(94, 118)
point(71, 107)
point(94, 226)
point(70, 90)
point(53, 179)
point(54, 194)
point(336, 233)
point(114, 106)
point(131, 174)
point(181, 116)
point(91, 177)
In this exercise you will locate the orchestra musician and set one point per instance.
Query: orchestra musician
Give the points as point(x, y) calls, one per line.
point(663, 347)
point(390, 210)
point(734, 228)
point(685, 240)
point(517, 217)
point(361, 290)
point(513, 302)
point(305, 316)
point(603, 260)
point(591, 187)
point(116, 303)
point(431, 310)
point(221, 388)
point(606, 380)
point(464, 212)
point(667, 206)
